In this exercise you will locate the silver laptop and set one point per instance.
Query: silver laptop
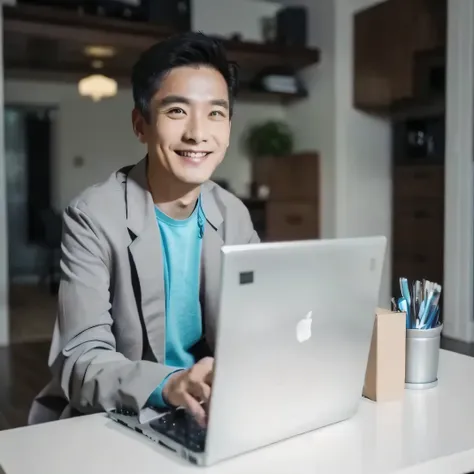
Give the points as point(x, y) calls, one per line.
point(293, 337)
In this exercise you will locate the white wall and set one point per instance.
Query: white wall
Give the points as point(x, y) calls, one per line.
point(102, 135)
point(363, 150)
point(4, 326)
point(355, 151)
point(459, 195)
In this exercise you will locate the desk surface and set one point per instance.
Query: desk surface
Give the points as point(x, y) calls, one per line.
point(433, 427)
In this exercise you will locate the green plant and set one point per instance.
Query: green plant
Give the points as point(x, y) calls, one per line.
point(271, 138)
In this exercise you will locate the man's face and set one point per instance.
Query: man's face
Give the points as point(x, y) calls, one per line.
point(189, 127)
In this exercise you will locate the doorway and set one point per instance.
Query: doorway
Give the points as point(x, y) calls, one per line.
point(29, 136)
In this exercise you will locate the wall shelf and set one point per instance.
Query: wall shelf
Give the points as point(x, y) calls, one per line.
point(44, 43)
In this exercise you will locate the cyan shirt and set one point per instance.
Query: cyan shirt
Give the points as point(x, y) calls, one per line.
point(181, 245)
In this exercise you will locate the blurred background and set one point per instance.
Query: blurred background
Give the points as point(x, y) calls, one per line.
point(347, 112)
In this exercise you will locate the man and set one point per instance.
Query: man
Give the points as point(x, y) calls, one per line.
point(139, 291)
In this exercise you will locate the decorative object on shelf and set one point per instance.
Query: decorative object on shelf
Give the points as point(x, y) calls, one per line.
point(269, 30)
point(236, 37)
point(263, 142)
point(263, 192)
point(97, 87)
point(272, 138)
point(292, 26)
point(126, 9)
point(279, 79)
point(175, 14)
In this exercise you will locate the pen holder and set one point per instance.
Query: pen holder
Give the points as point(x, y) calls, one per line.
point(422, 358)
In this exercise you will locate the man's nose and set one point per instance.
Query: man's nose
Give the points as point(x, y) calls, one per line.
point(195, 131)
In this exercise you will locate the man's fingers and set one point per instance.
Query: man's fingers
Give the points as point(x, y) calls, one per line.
point(205, 392)
point(209, 378)
point(200, 371)
point(200, 391)
point(195, 409)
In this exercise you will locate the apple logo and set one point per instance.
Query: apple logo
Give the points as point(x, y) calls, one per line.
point(303, 328)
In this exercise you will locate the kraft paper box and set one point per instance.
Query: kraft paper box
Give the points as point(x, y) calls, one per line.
point(385, 374)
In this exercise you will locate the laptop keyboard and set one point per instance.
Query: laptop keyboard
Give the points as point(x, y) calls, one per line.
point(181, 427)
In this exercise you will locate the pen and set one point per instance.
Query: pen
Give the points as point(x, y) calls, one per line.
point(406, 295)
point(420, 301)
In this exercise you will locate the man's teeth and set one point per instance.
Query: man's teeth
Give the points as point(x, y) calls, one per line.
point(192, 154)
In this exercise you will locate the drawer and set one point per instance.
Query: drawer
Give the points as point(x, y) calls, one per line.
point(409, 232)
point(421, 209)
point(295, 178)
point(422, 181)
point(427, 258)
point(292, 221)
point(418, 223)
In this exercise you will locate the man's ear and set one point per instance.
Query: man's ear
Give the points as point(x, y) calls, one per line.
point(139, 125)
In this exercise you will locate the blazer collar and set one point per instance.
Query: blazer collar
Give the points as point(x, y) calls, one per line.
point(139, 202)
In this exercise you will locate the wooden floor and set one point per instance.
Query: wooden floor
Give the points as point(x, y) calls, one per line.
point(23, 373)
point(32, 313)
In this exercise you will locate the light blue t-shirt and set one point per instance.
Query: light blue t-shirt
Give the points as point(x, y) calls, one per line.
point(181, 245)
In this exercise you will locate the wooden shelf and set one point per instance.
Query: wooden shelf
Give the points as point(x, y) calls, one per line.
point(44, 42)
point(409, 108)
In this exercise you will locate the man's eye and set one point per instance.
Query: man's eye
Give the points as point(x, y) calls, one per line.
point(217, 113)
point(176, 111)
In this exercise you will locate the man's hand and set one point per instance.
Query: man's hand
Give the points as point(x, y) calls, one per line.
point(187, 388)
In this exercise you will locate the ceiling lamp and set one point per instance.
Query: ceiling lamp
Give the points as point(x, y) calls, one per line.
point(97, 51)
point(98, 86)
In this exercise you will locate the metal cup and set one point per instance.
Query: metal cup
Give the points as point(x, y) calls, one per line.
point(422, 358)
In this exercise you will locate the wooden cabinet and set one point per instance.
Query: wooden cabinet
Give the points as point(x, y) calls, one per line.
point(418, 223)
point(371, 66)
point(387, 40)
point(292, 220)
point(292, 209)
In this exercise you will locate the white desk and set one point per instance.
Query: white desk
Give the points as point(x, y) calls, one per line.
point(434, 427)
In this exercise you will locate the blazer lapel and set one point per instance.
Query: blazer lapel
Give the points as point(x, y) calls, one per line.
point(211, 262)
point(146, 252)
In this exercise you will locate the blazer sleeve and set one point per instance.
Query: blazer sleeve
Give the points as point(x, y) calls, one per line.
point(250, 234)
point(93, 375)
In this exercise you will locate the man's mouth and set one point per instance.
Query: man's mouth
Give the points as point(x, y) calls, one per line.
point(195, 156)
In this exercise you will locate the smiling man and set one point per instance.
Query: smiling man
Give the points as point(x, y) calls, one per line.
point(140, 281)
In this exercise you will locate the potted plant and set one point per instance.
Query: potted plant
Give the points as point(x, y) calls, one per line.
point(264, 143)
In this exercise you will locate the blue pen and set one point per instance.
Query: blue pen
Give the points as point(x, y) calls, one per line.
point(433, 309)
point(426, 312)
point(402, 306)
point(406, 295)
point(433, 306)
point(420, 313)
point(433, 320)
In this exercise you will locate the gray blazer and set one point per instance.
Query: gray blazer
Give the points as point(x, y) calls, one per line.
point(109, 339)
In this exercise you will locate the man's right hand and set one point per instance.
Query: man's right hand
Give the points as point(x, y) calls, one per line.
point(188, 388)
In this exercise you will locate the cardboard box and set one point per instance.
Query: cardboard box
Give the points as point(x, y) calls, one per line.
point(385, 374)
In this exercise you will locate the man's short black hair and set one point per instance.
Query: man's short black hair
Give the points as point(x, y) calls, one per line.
point(186, 49)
